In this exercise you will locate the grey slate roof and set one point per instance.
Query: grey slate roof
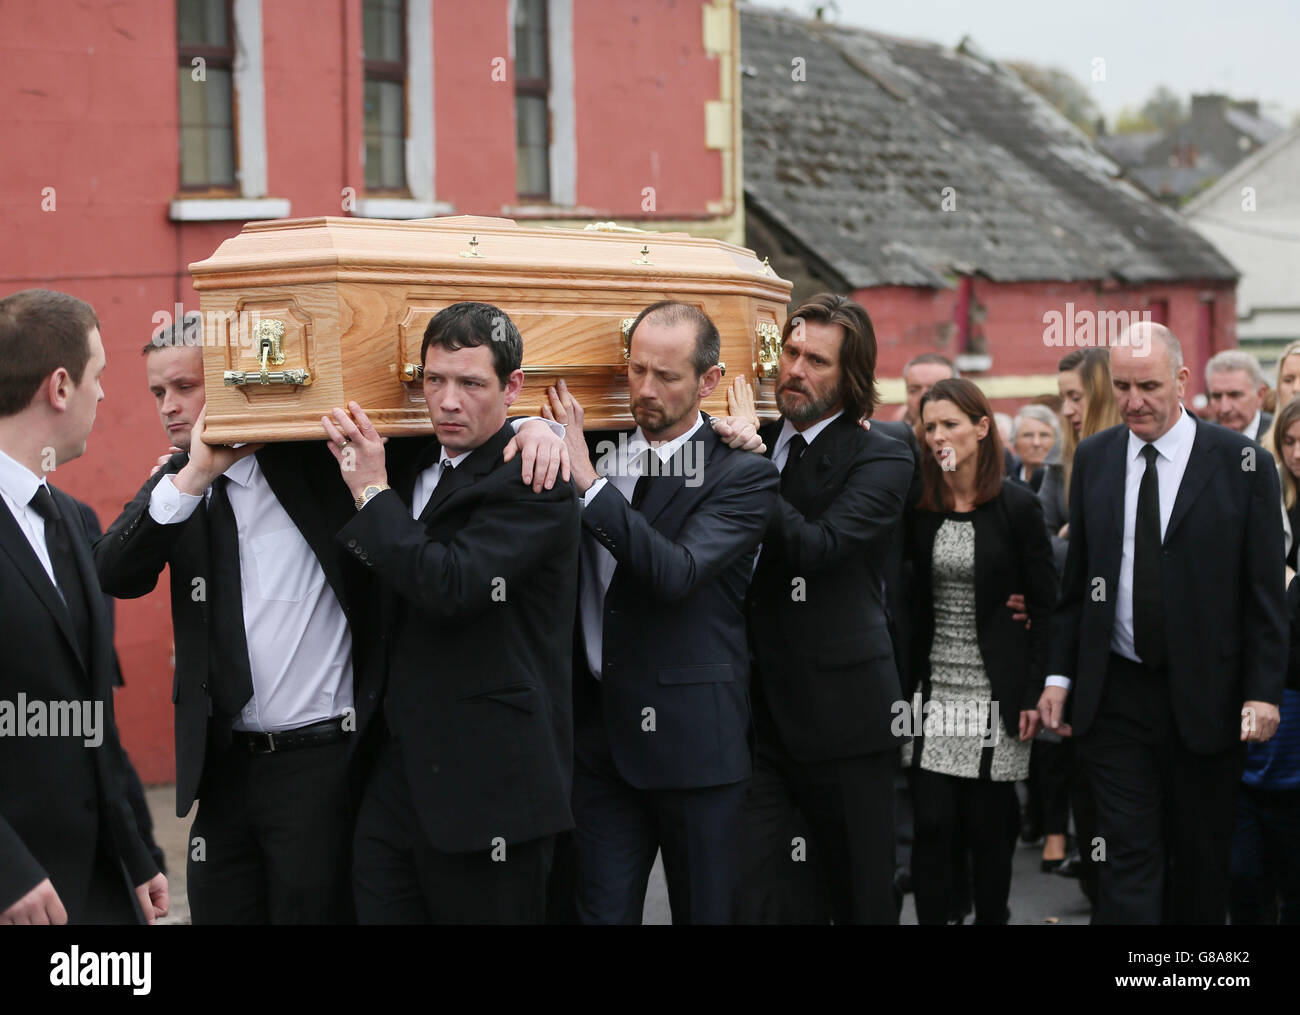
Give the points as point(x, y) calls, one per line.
point(1128, 149)
point(851, 164)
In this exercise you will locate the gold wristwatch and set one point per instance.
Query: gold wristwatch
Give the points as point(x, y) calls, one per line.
point(369, 492)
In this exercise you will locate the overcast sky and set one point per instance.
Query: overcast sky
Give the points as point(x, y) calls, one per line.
point(1246, 48)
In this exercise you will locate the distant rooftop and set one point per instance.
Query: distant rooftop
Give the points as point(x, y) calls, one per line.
point(852, 163)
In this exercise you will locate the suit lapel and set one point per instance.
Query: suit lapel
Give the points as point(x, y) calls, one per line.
point(480, 463)
point(100, 636)
point(672, 477)
point(1195, 476)
point(1116, 464)
point(14, 542)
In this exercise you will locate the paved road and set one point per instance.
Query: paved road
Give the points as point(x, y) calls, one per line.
point(1035, 897)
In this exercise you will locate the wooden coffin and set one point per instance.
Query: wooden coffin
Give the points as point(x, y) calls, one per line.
point(302, 315)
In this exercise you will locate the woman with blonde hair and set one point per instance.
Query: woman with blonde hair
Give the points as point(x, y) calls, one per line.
point(1288, 385)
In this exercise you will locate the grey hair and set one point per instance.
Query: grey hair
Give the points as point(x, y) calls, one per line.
point(1041, 414)
point(1235, 359)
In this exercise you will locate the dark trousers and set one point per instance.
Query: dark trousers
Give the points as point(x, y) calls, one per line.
point(1266, 857)
point(399, 878)
point(621, 828)
point(817, 841)
point(1164, 814)
point(271, 841)
point(989, 814)
point(1049, 785)
point(110, 897)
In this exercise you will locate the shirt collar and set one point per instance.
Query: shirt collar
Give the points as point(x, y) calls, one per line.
point(1172, 443)
point(456, 460)
point(788, 431)
point(17, 481)
point(243, 472)
point(1252, 428)
point(639, 442)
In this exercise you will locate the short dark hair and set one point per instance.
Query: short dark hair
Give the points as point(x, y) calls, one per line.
point(40, 331)
point(708, 344)
point(185, 333)
point(858, 352)
point(465, 325)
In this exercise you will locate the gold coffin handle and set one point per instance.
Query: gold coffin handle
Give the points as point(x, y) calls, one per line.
point(411, 373)
point(269, 336)
point(769, 348)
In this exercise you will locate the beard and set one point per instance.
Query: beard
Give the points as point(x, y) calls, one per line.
point(809, 410)
point(656, 420)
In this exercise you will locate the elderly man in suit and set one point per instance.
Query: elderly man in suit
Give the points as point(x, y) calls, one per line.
point(272, 713)
point(669, 532)
point(1236, 388)
point(1171, 644)
point(69, 847)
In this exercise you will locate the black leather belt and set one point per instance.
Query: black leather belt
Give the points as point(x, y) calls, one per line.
point(328, 731)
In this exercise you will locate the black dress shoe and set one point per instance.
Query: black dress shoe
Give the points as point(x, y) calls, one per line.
point(1048, 866)
point(903, 881)
point(1071, 867)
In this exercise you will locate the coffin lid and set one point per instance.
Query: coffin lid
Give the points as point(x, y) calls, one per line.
point(382, 250)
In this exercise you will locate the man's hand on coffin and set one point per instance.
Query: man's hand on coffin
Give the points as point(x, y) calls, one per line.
point(208, 461)
point(740, 402)
point(543, 455)
point(567, 411)
point(738, 432)
point(357, 447)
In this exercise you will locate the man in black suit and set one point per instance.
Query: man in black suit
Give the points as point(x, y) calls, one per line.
point(1172, 637)
point(825, 679)
point(272, 710)
point(69, 848)
point(670, 528)
point(477, 583)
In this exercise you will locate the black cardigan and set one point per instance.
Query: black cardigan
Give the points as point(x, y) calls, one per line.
point(1012, 554)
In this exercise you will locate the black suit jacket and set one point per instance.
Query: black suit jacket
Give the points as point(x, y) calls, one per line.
point(673, 638)
point(134, 551)
point(474, 645)
point(56, 793)
point(897, 567)
point(1222, 583)
point(1012, 555)
point(818, 621)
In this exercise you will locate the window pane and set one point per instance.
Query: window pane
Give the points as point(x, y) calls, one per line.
point(385, 135)
point(532, 175)
point(382, 30)
point(206, 129)
point(530, 39)
point(202, 22)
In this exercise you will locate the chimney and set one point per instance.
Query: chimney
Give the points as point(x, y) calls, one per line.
point(1207, 108)
point(1248, 106)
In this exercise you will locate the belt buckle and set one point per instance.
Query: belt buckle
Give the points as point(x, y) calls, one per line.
point(257, 748)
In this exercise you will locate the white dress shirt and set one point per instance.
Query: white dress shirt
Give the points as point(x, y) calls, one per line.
point(1175, 449)
point(18, 485)
point(597, 564)
point(781, 450)
point(299, 642)
point(1252, 428)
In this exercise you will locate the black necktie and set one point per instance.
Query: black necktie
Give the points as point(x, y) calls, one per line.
point(444, 479)
point(643, 481)
point(1148, 595)
point(794, 451)
point(231, 679)
point(66, 576)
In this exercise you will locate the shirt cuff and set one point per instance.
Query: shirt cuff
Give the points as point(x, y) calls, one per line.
point(1056, 680)
point(556, 428)
point(168, 506)
point(593, 491)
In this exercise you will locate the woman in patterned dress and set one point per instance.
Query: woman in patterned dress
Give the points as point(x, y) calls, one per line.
point(976, 673)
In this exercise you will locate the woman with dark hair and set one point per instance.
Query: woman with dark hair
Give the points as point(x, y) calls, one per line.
point(974, 540)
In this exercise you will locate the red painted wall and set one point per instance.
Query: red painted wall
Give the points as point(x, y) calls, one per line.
point(90, 109)
point(1007, 320)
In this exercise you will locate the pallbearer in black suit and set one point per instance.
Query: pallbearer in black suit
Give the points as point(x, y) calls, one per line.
point(825, 676)
point(477, 585)
point(271, 707)
point(1170, 636)
point(69, 848)
point(670, 525)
